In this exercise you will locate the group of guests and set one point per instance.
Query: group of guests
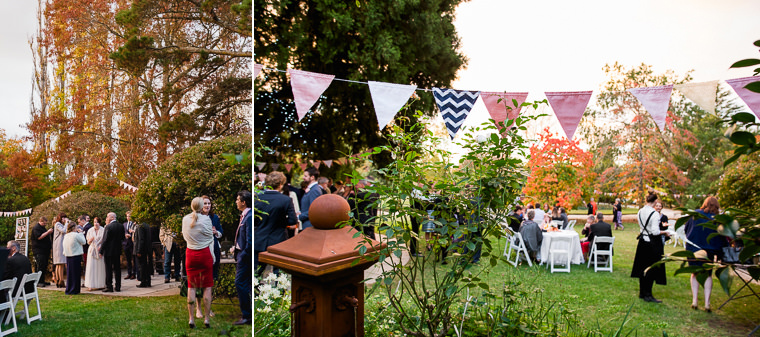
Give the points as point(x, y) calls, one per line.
point(99, 248)
point(650, 248)
point(288, 207)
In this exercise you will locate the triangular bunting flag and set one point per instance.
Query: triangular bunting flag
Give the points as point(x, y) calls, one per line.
point(703, 94)
point(256, 69)
point(274, 166)
point(751, 98)
point(328, 162)
point(288, 167)
point(388, 99)
point(655, 100)
point(454, 105)
point(307, 87)
point(317, 163)
point(569, 107)
point(303, 167)
point(260, 165)
point(498, 110)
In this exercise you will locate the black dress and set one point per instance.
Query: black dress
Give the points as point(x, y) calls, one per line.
point(647, 253)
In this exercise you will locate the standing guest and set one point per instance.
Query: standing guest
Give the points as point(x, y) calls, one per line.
point(593, 206)
point(129, 246)
point(41, 245)
point(697, 236)
point(590, 208)
point(648, 251)
point(617, 218)
point(208, 209)
point(299, 192)
point(110, 249)
point(532, 235)
point(271, 226)
point(365, 211)
point(538, 213)
point(143, 248)
point(242, 253)
point(293, 229)
point(171, 253)
point(95, 271)
point(199, 258)
point(59, 260)
point(72, 249)
point(330, 186)
point(663, 221)
point(85, 224)
point(313, 190)
point(17, 266)
point(324, 182)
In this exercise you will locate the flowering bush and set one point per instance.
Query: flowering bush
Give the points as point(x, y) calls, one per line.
point(271, 301)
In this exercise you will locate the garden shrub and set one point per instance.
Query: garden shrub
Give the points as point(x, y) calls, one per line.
point(738, 187)
point(164, 196)
point(78, 203)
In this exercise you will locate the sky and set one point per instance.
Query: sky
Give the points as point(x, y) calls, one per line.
point(548, 45)
point(16, 64)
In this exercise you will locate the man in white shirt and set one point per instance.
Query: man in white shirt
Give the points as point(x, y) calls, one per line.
point(539, 213)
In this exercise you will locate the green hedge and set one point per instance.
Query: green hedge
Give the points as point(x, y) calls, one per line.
point(164, 196)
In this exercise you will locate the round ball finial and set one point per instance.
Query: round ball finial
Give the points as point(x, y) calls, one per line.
point(328, 210)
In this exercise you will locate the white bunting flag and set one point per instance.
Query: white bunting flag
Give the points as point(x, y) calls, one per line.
point(702, 93)
point(328, 162)
point(388, 99)
point(256, 69)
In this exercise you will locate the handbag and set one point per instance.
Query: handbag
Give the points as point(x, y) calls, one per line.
point(731, 254)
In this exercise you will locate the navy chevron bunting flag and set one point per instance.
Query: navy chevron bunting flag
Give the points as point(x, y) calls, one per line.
point(455, 106)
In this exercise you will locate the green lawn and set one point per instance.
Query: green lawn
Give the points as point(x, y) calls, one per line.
point(602, 299)
point(97, 315)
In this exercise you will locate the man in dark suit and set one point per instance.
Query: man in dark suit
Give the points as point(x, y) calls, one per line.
point(143, 248)
point(600, 228)
point(86, 225)
point(313, 191)
point(277, 213)
point(128, 246)
point(17, 266)
point(243, 250)
point(111, 250)
point(41, 246)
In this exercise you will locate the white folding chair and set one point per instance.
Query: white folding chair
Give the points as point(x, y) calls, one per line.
point(557, 224)
point(22, 295)
point(570, 225)
point(518, 245)
point(559, 253)
point(596, 253)
point(508, 244)
point(7, 306)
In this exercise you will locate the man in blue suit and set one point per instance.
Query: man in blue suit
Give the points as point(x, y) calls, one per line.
point(243, 251)
point(276, 214)
point(311, 175)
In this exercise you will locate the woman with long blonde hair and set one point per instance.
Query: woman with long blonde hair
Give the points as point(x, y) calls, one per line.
point(197, 230)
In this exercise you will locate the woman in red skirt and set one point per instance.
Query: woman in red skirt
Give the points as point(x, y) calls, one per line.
point(199, 258)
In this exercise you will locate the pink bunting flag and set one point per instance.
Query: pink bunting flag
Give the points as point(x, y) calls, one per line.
point(655, 100)
point(307, 87)
point(498, 110)
point(328, 162)
point(260, 165)
point(288, 167)
point(388, 99)
point(274, 166)
point(751, 98)
point(569, 107)
point(256, 69)
point(303, 166)
point(317, 163)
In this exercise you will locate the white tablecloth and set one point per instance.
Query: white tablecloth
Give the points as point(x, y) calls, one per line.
point(576, 253)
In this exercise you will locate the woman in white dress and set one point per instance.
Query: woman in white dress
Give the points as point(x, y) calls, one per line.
point(95, 273)
point(58, 259)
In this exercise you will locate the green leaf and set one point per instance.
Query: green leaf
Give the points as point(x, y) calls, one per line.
point(397, 252)
point(732, 159)
point(450, 290)
point(483, 285)
point(754, 87)
point(362, 249)
point(744, 117)
point(757, 43)
point(683, 253)
point(745, 63)
point(388, 281)
point(742, 138)
point(749, 251)
point(725, 280)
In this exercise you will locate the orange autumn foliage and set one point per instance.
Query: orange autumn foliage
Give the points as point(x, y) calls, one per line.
point(560, 171)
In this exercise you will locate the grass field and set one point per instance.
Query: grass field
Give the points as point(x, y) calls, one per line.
point(603, 299)
point(96, 315)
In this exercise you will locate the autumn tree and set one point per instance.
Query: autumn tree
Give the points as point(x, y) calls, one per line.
point(406, 42)
point(560, 171)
